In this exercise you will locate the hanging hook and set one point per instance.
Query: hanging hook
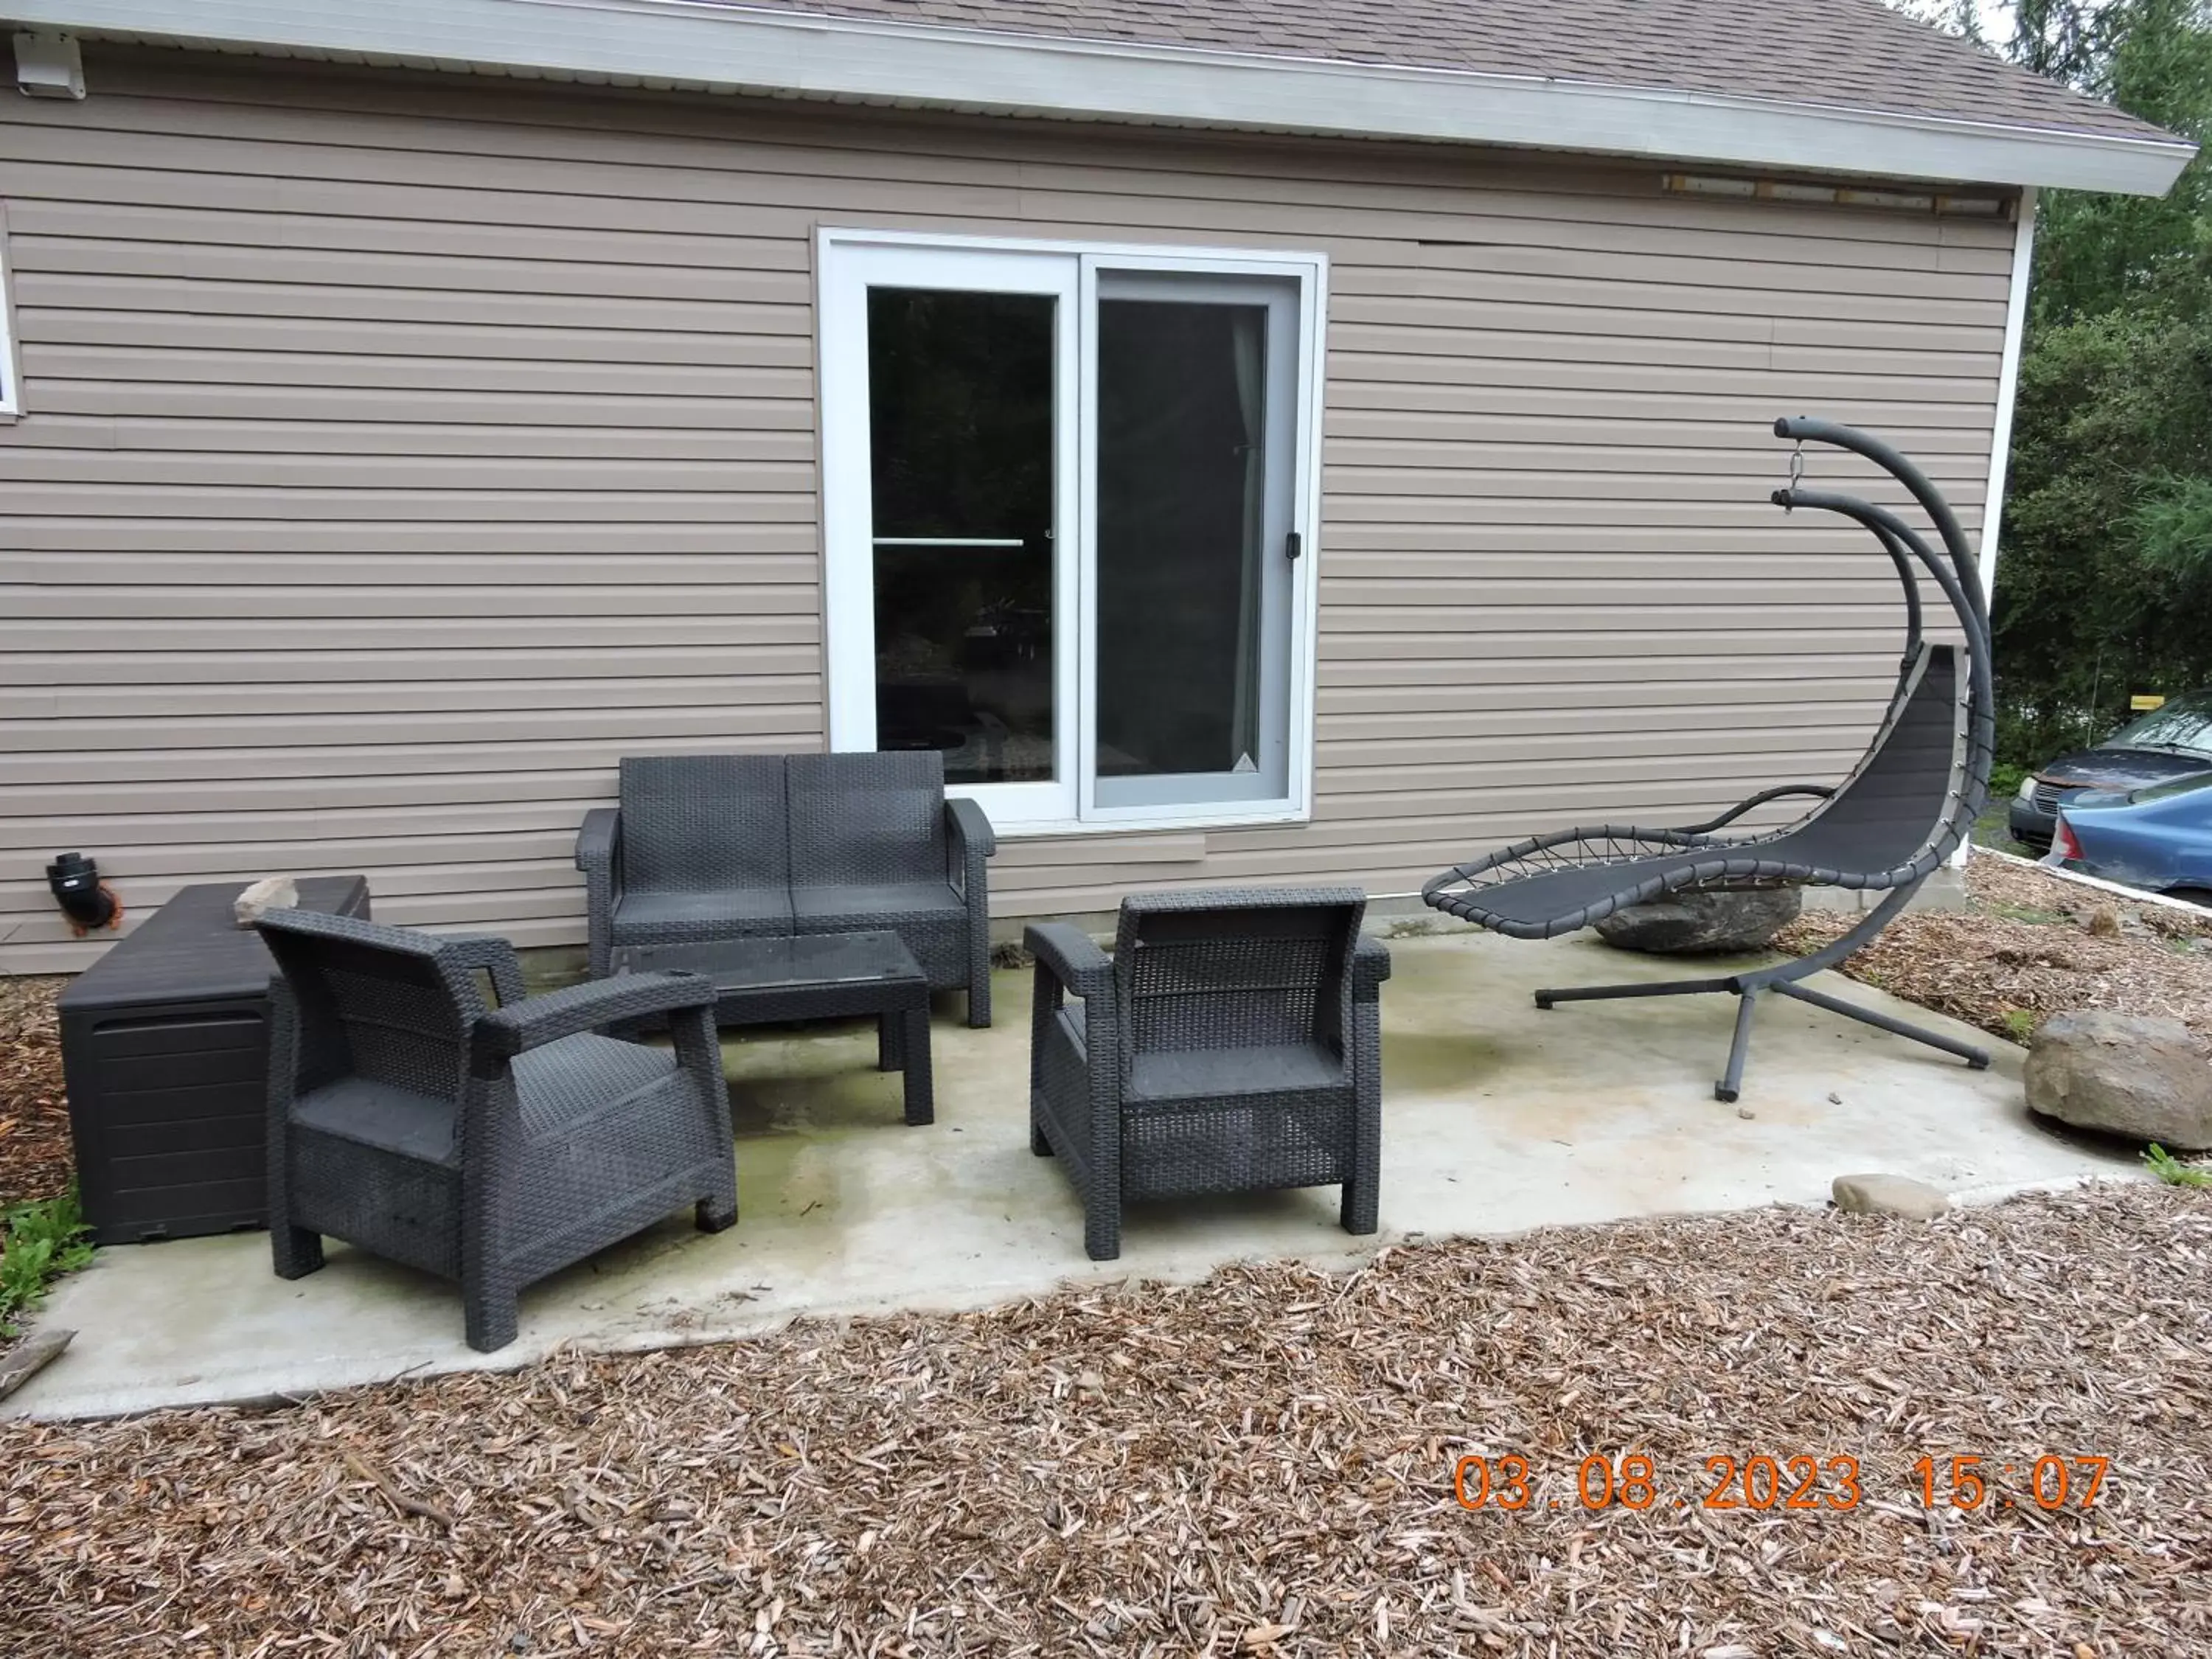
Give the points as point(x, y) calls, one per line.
point(1798, 464)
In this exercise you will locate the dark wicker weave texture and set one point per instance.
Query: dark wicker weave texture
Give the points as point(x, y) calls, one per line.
point(718, 846)
point(1232, 1043)
point(490, 1144)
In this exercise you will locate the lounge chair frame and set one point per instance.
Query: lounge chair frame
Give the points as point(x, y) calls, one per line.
point(1557, 883)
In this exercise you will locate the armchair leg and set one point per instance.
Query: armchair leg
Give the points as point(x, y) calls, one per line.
point(492, 1318)
point(979, 1000)
point(716, 1214)
point(1040, 1143)
point(1359, 1212)
point(298, 1250)
point(1102, 1225)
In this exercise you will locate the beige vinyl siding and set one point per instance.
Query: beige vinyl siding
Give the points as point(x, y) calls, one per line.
point(401, 450)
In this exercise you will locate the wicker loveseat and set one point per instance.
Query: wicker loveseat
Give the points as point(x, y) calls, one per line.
point(717, 847)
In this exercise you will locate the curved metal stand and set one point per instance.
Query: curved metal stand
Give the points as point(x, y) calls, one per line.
point(1782, 978)
point(1961, 586)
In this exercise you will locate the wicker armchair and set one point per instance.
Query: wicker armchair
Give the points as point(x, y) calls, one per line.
point(1232, 1043)
point(492, 1145)
point(716, 846)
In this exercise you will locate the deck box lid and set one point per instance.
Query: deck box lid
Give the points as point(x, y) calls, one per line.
point(193, 949)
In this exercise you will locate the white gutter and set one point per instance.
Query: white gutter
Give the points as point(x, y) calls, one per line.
point(2023, 263)
point(673, 44)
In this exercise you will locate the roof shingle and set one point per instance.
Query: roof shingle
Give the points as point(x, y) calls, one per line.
point(1848, 54)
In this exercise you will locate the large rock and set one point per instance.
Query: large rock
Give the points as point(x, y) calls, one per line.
point(2125, 1074)
point(1724, 920)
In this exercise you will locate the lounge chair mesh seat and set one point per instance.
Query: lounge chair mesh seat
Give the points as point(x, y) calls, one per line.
point(1907, 805)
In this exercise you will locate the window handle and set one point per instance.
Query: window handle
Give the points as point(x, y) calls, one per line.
point(1293, 544)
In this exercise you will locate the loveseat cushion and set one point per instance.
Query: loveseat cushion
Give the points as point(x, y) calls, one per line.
point(666, 918)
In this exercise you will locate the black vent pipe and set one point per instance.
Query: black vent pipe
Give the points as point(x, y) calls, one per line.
point(77, 887)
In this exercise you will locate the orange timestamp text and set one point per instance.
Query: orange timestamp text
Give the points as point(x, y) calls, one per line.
point(1759, 1481)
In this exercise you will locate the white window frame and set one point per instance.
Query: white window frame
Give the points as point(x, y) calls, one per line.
point(1064, 806)
point(11, 384)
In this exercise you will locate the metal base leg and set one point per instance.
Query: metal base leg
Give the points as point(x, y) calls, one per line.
point(1738, 1048)
point(1979, 1059)
point(1671, 988)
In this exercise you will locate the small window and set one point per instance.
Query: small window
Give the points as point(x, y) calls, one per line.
point(1068, 490)
point(11, 400)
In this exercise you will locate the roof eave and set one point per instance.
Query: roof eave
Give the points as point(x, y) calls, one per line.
point(716, 47)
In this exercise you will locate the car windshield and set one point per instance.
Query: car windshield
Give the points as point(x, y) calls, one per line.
point(2184, 723)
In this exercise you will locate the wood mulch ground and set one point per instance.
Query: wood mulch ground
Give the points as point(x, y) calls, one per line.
point(1260, 1464)
point(35, 1158)
point(2033, 946)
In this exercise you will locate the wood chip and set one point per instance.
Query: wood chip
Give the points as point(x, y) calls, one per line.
point(1268, 1473)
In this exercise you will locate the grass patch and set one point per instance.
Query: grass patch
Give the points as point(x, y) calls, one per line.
point(41, 1241)
point(2019, 1025)
point(2027, 913)
point(2173, 1171)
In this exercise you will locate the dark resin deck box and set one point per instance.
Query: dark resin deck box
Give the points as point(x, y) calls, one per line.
point(165, 1042)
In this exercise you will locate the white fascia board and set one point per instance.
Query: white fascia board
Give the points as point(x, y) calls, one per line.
point(678, 43)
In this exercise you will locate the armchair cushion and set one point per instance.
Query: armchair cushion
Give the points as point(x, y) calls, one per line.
point(578, 1076)
point(382, 1115)
point(1216, 1073)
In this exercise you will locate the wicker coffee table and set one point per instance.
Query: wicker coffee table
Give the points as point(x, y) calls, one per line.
point(768, 981)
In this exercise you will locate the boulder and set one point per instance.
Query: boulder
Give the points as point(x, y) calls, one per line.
point(1725, 919)
point(1889, 1194)
point(2125, 1074)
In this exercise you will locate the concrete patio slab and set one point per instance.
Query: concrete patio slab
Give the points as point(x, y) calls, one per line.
point(1497, 1118)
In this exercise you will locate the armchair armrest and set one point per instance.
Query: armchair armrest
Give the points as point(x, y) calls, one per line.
point(1759, 799)
point(598, 839)
point(500, 1036)
point(493, 955)
point(1072, 957)
point(1370, 966)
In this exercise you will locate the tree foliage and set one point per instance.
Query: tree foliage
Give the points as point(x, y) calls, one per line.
point(2105, 575)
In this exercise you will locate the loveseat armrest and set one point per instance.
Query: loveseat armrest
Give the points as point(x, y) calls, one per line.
point(1070, 956)
point(1370, 966)
point(600, 840)
point(500, 1036)
point(492, 955)
point(970, 827)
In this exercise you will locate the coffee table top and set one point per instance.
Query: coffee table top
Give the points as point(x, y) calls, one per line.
point(738, 964)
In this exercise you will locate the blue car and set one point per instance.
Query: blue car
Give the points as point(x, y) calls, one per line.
point(2158, 838)
point(2174, 741)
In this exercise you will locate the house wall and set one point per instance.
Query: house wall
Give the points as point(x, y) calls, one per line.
point(401, 450)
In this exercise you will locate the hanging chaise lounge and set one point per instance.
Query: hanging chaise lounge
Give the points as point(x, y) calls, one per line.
point(1888, 827)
